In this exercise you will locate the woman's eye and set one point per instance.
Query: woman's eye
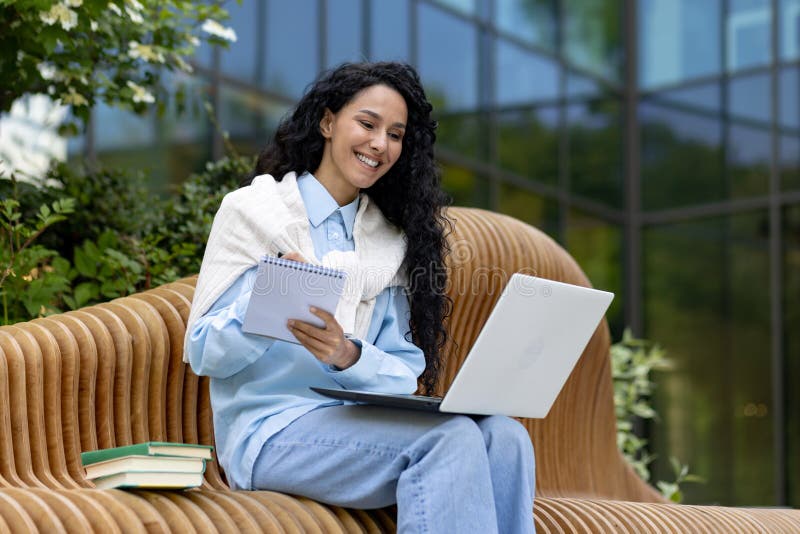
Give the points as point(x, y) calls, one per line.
point(395, 136)
point(366, 124)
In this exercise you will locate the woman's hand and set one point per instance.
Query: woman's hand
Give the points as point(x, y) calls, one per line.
point(328, 343)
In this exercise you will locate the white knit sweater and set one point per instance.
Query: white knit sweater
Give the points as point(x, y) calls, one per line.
point(269, 217)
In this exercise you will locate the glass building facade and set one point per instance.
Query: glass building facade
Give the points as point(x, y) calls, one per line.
point(657, 140)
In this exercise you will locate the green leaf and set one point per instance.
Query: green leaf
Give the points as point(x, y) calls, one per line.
point(85, 292)
point(85, 263)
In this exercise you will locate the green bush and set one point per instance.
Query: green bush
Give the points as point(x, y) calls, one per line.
point(100, 234)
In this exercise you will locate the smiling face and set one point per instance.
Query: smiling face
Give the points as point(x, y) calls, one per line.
point(362, 141)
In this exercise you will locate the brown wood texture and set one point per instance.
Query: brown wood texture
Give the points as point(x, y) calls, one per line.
point(113, 374)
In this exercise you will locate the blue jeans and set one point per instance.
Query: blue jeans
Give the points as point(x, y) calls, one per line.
point(447, 473)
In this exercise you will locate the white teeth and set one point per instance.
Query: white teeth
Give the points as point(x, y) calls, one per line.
point(365, 159)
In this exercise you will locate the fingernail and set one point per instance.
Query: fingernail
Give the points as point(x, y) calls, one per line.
point(290, 323)
point(313, 309)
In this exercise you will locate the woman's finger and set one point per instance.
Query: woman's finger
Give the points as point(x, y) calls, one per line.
point(319, 349)
point(330, 321)
point(308, 329)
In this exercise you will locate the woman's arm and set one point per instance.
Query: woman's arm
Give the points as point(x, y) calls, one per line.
point(217, 345)
point(391, 364)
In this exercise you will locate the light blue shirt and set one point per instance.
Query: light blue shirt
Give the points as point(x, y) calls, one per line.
point(258, 386)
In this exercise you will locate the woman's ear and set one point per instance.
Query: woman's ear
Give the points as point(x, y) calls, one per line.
point(326, 124)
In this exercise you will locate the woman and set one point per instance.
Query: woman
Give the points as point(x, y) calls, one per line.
point(349, 181)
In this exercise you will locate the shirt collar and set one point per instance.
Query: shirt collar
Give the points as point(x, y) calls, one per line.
point(320, 204)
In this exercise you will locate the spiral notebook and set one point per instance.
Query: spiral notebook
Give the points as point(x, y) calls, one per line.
point(285, 289)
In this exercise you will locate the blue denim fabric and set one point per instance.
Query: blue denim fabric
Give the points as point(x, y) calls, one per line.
point(447, 473)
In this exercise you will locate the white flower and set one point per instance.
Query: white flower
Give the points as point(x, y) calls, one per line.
point(74, 3)
point(136, 18)
point(46, 70)
point(212, 27)
point(93, 25)
point(185, 67)
point(62, 14)
point(140, 94)
point(136, 5)
point(113, 7)
point(146, 52)
point(73, 98)
point(194, 41)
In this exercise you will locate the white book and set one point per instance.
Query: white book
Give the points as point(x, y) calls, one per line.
point(149, 479)
point(286, 289)
point(137, 462)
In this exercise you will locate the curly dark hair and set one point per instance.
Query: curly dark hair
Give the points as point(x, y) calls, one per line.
point(409, 194)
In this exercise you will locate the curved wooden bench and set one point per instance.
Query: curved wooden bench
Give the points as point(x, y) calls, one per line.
point(112, 374)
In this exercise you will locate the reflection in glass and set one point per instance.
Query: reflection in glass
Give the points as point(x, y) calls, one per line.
point(533, 21)
point(593, 36)
point(749, 97)
point(530, 208)
point(465, 186)
point(791, 318)
point(583, 86)
point(705, 302)
point(597, 247)
point(789, 29)
point(747, 35)
point(678, 40)
point(790, 162)
point(748, 156)
point(389, 30)
point(465, 6)
point(523, 77)
point(239, 59)
point(343, 31)
point(292, 57)
point(448, 59)
point(464, 132)
point(702, 99)
point(249, 118)
point(681, 158)
point(789, 88)
point(595, 150)
point(527, 143)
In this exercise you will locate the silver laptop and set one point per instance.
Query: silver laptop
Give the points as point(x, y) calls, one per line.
point(522, 357)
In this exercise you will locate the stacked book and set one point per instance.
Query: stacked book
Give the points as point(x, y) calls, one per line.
point(153, 464)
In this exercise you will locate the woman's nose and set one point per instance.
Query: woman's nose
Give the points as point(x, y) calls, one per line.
point(378, 142)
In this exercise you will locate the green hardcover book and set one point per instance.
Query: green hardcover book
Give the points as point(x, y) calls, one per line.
point(149, 448)
point(145, 479)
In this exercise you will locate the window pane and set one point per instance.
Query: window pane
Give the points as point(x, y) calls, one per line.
point(789, 27)
point(678, 40)
point(448, 55)
point(465, 186)
point(463, 132)
point(389, 30)
point(790, 162)
point(595, 150)
point(528, 143)
point(344, 31)
point(748, 33)
point(681, 159)
point(791, 318)
point(704, 98)
point(467, 7)
point(248, 118)
point(593, 36)
point(290, 73)
point(789, 98)
point(597, 247)
point(530, 208)
point(749, 97)
point(523, 77)
point(239, 59)
point(748, 156)
point(582, 86)
point(702, 305)
point(530, 20)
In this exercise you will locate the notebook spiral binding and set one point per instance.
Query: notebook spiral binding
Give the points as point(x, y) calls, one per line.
point(304, 267)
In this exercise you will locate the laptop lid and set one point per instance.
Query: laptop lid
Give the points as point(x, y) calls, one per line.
point(527, 348)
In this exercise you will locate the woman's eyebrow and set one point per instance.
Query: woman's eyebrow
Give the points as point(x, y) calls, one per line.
point(377, 116)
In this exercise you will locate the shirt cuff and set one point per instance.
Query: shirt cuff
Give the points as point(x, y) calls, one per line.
point(363, 371)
